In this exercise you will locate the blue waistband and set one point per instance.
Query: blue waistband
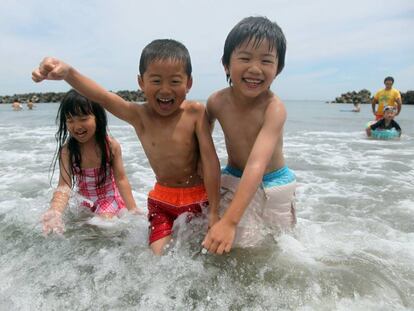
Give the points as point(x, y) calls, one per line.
point(279, 177)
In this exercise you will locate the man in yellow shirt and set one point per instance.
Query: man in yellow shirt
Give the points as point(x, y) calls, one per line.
point(388, 96)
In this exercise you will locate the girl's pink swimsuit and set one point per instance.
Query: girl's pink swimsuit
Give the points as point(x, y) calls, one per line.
point(106, 198)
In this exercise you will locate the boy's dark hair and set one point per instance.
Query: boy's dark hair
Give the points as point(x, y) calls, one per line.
point(257, 29)
point(74, 104)
point(163, 49)
point(389, 79)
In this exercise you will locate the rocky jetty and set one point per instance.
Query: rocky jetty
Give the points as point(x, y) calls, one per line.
point(364, 97)
point(52, 97)
point(361, 97)
point(408, 98)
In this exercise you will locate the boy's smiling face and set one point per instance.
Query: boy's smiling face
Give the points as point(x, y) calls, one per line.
point(252, 68)
point(165, 85)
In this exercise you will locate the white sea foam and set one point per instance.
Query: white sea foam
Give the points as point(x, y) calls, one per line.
point(352, 248)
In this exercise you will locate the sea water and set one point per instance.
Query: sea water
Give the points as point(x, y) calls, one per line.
point(352, 248)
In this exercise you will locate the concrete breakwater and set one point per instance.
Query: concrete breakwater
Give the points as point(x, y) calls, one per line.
point(55, 97)
point(364, 97)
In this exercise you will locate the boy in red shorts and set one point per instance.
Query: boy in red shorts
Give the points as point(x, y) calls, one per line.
point(173, 131)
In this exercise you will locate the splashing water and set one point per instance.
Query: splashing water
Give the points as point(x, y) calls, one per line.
point(352, 249)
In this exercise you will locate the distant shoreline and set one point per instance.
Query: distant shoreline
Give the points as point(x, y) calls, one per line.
point(56, 97)
point(138, 96)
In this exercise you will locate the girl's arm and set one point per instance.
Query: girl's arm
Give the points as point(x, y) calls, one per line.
point(221, 236)
point(52, 218)
point(121, 178)
point(54, 69)
point(62, 193)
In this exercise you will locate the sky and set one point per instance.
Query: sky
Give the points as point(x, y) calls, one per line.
point(332, 46)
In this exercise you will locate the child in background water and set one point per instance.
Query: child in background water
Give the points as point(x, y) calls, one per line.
point(88, 159)
point(386, 123)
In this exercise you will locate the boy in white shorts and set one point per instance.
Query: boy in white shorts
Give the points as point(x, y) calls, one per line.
point(257, 187)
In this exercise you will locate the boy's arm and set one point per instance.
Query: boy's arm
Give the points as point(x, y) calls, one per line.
point(221, 236)
point(374, 102)
point(399, 104)
point(372, 127)
point(377, 124)
point(121, 178)
point(210, 163)
point(368, 131)
point(210, 111)
point(397, 126)
point(54, 69)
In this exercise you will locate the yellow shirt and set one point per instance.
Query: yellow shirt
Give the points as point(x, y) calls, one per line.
point(386, 98)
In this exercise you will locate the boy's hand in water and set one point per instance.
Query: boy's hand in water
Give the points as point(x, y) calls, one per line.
point(220, 237)
point(52, 222)
point(213, 218)
point(50, 69)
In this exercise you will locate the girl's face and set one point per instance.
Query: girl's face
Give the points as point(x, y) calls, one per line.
point(82, 128)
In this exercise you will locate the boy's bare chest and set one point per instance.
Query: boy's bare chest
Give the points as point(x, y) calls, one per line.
point(241, 125)
point(168, 137)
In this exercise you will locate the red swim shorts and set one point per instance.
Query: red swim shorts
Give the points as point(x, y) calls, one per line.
point(165, 204)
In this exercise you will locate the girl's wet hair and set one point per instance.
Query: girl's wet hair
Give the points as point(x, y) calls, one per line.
point(255, 29)
point(75, 105)
point(163, 49)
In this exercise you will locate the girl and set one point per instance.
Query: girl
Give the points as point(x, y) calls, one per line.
point(88, 159)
